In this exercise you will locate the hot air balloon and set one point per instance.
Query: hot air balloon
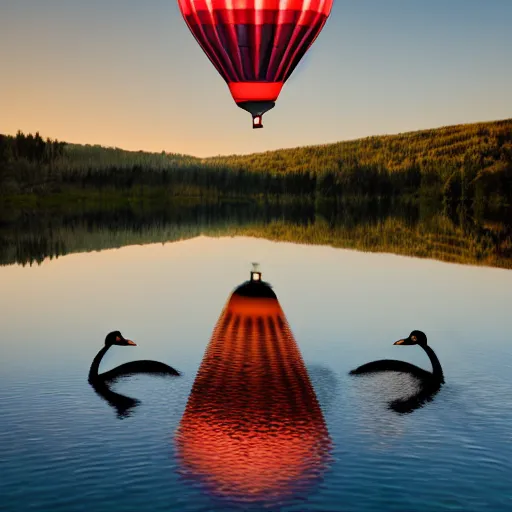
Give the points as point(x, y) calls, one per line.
point(253, 429)
point(255, 44)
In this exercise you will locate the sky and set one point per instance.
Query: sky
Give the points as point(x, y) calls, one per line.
point(128, 73)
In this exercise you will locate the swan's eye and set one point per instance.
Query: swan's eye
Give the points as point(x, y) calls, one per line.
point(413, 338)
point(118, 338)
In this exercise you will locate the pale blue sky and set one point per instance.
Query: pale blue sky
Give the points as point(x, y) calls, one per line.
point(128, 73)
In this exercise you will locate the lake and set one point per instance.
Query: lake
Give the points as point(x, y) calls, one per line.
point(64, 447)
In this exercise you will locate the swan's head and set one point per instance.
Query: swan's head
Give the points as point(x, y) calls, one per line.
point(116, 338)
point(415, 338)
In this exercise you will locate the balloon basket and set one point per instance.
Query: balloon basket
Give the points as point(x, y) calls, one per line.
point(257, 122)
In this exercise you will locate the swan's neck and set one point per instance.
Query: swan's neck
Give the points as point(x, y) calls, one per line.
point(95, 366)
point(437, 370)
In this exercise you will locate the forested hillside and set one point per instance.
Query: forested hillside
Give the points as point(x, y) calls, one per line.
point(469, 163)
point(459, 161)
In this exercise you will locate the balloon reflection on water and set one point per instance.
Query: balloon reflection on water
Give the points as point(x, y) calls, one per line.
point(252, 428)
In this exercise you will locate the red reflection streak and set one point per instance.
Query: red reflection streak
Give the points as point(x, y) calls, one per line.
point(253, 427)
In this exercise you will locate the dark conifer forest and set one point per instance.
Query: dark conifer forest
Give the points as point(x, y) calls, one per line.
point(470, 164)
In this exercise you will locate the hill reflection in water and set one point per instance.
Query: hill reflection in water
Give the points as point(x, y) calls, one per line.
point(426, 231)
point(253, 429)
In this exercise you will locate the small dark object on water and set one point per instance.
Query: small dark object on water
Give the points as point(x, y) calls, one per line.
point(101, 382)
point(430, 383)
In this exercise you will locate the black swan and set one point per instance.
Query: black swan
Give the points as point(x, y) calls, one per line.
point(429, 383)
point(101, 382)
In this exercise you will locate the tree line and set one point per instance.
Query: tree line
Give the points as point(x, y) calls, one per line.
point(464, 163)
point(29, 148)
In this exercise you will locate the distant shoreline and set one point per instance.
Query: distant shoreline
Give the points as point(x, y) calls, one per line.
point(470, 164)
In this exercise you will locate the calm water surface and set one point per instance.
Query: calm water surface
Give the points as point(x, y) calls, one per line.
point(62, 447)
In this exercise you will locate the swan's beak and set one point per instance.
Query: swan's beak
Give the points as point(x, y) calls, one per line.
point(130, 342)
point(399, 342)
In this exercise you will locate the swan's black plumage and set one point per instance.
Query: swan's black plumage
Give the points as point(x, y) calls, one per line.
point(137, 367)
point(101, 381)
point(429, 382)
point(390, 365)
